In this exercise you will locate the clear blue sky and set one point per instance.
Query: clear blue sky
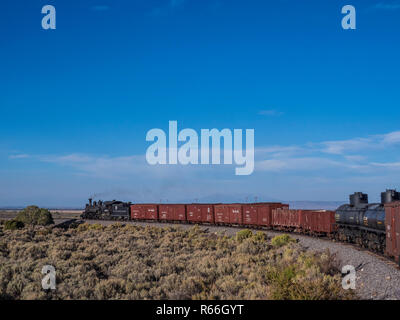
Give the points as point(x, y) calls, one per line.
point(76, 102)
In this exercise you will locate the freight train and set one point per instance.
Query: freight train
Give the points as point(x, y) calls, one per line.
point(375, 226)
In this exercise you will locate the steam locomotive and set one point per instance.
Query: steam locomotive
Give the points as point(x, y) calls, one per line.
point(357, 222)
point(363, 223)
point(107, 210)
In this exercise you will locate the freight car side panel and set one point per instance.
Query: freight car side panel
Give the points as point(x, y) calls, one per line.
point(193, 213)
point(289, 218)
point(318, 221)
point(221, 214)
point(307, 221)
point(172, 212)
point(207, 213)
point(277, 218)
point(137, 213)
point(200, 213)
point(144, 212)
point(250, 215)
point(295, 218)
point(180, 213)
point(165, 213)
point(260, 213)
point(328, 221)
point(266, 217)
point(392, 222)
point(235, 214)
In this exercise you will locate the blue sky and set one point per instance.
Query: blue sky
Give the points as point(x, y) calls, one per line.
point(76, 102)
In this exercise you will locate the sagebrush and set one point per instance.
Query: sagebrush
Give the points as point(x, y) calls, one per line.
point(131, 262)
point(33, 215)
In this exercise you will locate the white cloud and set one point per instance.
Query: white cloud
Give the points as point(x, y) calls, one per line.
point(100, 166)
point(391, 138)
point(343, 146)
point(129, 167)
point(71, 158)
point(282, 151)
point(373, 142)
point(351, 154)
point(299, 164)
point(355, 158)
point(386, 165)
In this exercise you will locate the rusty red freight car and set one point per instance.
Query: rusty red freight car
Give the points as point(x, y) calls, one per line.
point(392, 222)
point(318, 222)
point(260, 214)
point(228, 214)
point(172, 212)
point(308, 222)
point(144, 212)
point(203, 213)
point(287, 219)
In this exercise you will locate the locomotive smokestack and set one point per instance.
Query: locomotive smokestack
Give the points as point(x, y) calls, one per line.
point(389, 196)
point(358, 198)
point(90, 201)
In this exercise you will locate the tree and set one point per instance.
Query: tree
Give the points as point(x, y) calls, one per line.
point(13, 225)
point(34, 215)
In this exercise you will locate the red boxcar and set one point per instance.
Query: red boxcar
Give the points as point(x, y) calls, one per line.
point(260, 213)
point(392, 222)
point(228, 213)
point(144, 212)
point(200, 213)
point(307, 223)
point(288, 219)
point(172, 212)
point(318, 221)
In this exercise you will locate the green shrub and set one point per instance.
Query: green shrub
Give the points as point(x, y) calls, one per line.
point(260, 236)
point(243, 234)
point(282, 240)
point(13, 225)
point(96, 226)
point(298, 282)
point(34, 215)
point(282, 284)
point(83, 227)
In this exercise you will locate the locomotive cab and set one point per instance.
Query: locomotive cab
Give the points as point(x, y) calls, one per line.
point(117, 209)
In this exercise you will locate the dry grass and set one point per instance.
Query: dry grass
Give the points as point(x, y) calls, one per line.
point(131, 262)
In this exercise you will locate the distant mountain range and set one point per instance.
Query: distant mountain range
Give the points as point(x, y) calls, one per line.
point(250, 198)
point(13, 208)
point(313, 205)
point(234, 198)
point(229, 198)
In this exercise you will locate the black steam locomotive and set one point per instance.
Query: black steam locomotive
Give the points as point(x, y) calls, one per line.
point(107, 210)
point(363, 223)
